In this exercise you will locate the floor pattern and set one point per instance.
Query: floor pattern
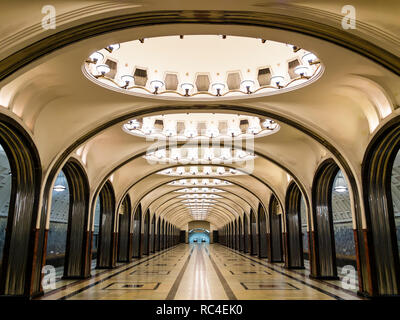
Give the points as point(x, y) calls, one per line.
point(198, 272)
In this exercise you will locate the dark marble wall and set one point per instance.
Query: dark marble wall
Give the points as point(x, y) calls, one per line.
point(3, 223)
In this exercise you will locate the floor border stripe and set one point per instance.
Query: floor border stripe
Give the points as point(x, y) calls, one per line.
point(109, 277)
point(289, 276)
point(225, 285)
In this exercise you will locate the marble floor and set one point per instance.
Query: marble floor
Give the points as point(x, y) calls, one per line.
point(199, 272)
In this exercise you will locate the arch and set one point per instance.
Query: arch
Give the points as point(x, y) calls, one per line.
point(58, 225)
point(236, 234)
point(275, 229)
point(152, 240)
point(241, 236)
point(293, 237)
point(168, 234)
point(158, 235)
point(253, 234)
point(146, 234)
point(262, 233)
point(323, 236)
point(124, 231)
point(201, 177)
point(380, 232)
point(5, 195)
point(137, 231)
point(78, 249)
point(246, 234)
point(106, 253)
point(21, 266)
point(178, 195)
point(162, 239)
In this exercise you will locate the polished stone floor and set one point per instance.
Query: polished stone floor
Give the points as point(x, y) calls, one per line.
point(199, 272)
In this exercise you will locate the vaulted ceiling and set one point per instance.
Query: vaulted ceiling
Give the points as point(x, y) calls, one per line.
point(67, 114)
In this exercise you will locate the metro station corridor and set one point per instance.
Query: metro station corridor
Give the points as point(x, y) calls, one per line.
point(199, 150)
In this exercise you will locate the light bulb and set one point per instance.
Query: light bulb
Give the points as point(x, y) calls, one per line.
point(180, 170)
point(277, 80)
point(127, 80)
point(160, 153)
point(309, 58)
point(190, 132)
point(212, 131)
point(234, 131)
point(241, 153)
point(169, 132)
point(59, 188)
point(301, 71)
point(248, 85)
point(340, 189)
point(96, 57)
point(103, 69)
point(193, 170)
point(133, 124)
point(208, 154)
point(220, 170)
point(113, 47)
point(175, 154)
point(147, 129)
point(253, 129)
point(193, 154)
point(156, 84)
point(218, 87)
point(187, 87)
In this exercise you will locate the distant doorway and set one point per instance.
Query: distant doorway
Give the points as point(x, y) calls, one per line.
point(199, 236)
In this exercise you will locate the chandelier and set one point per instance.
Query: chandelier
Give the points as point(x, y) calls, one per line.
point(200, 196)
point(200, 171)
point(198, 182)
point(199, 190)
point(199, 155)
point(200, 126)
point(114, 66)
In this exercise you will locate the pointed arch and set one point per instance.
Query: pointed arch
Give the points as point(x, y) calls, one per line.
point(21, 266)
point(106, 253)
point(380, 233)
point(275, 230)
point(262, 232)
point(124, 231)
point(293, 236)
point(253, 234)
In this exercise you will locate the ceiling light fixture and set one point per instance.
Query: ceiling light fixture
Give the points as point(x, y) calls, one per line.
point(95, 57)
point(121, 55)
point(103, 69)
point(302, 71)
point(187, 87)
point(340, 183)
point(113, 47)
point(278, 80)
point(128, 80)
point(249, 85)
point(156, 84)
point(218, 87)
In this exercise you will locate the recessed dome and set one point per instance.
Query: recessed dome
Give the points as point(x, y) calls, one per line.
point(202, 66)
